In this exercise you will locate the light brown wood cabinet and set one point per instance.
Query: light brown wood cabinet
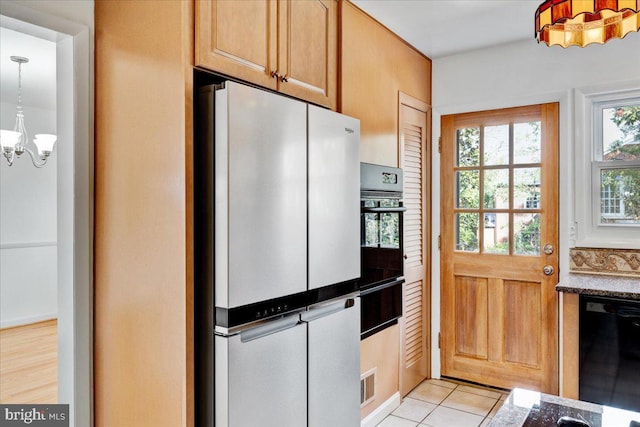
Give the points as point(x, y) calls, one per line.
point(285, 45)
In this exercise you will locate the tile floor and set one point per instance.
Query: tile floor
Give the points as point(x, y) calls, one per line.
point(446, 403)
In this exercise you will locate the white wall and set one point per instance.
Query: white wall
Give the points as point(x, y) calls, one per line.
point(28, 226)
point(518, 74)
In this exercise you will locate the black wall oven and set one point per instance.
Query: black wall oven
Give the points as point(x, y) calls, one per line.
point(382, 256)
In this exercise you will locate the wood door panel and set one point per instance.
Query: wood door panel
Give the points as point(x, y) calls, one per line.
point(522, 322)
point(238, 38)
point(308, 34)
point(471, 316)
point(499, 311)
point(253, 17)
point(308, 46)
point(512, 268)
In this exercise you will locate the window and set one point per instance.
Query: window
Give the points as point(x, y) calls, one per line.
point(617, 138)
point(608, 157)
point(497, 181)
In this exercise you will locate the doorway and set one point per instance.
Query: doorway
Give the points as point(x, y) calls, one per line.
point(499, 260)
point(73, 195)
point(28, 228)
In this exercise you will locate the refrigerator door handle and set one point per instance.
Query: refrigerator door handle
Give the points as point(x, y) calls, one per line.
point(327, 310)
point(269, 328)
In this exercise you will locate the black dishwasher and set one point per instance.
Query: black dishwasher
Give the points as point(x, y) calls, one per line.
point(610, 351)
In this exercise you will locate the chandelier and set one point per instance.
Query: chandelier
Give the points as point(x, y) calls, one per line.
point(14, 143)
point(582, 22)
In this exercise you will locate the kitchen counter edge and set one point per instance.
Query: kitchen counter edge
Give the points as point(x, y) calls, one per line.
point(600, 285)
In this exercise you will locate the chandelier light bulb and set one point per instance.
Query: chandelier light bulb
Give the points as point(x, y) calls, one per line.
point(45, 142)
point(9, 139)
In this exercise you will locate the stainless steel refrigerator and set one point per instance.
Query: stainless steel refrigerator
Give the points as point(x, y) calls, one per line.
point(277, 259)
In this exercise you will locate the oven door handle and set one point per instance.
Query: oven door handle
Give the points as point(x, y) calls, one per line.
point(377, 288)
point(384, 210)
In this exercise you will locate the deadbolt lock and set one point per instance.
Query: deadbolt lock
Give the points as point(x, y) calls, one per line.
point(548, 249)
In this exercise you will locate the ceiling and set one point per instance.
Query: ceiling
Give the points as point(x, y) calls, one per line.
point(38, 75)
point(440, 28)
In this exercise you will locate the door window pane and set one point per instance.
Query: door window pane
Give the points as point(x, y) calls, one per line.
point(620, 196)
point(526, 143)
point(467, 232)
point(468, 189)
point(496, 189)
point(468, 147)
point(526, 234)
point(496, 233)
point(496, 145)
point(526, 188)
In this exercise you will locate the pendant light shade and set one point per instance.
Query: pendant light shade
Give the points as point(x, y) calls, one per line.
point(582, 22)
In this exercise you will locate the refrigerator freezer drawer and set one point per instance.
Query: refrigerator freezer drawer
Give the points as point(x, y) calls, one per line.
point(334, 194)
point(263, 380)
point(334, 367)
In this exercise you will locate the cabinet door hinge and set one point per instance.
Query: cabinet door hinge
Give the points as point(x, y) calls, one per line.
point(439, 144)
point(439, 340)
point(439, 242)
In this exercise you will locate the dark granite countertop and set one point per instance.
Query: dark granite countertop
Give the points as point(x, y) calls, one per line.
point(530, 408)
point(608, 286)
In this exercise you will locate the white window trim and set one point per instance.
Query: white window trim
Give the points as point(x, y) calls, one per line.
point(589, 233)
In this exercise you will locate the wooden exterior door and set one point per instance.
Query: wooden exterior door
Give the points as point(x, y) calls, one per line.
point(499, 234)
point(414, 135)
point(308, 52)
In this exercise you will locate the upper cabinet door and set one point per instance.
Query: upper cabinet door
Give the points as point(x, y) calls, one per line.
point(238, 38)
point(308, 46)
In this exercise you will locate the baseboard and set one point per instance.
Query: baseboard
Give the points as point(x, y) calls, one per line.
point(381, 412)
point(10, 323)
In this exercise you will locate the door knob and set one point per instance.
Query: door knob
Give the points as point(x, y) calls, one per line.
point(548, 270)
point(548, 249)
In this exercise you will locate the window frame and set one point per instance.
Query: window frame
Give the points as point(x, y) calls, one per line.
point(588, 231)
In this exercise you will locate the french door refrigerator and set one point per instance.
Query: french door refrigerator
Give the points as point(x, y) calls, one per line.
point(277, 259)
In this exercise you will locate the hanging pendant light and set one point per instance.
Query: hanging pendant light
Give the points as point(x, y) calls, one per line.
point(14, 143)
point(582, 22)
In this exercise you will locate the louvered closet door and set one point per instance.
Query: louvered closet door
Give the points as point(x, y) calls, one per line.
point(414, 350)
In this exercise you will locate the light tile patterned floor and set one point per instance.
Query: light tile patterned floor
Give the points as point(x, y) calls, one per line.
point(446, 403)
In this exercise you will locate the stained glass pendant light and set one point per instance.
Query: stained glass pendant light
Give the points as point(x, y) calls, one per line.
point(582, 22)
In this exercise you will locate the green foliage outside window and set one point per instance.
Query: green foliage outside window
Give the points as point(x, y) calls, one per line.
point(624, 181)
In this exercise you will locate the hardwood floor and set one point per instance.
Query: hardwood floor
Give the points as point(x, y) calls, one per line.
point(29, 363)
